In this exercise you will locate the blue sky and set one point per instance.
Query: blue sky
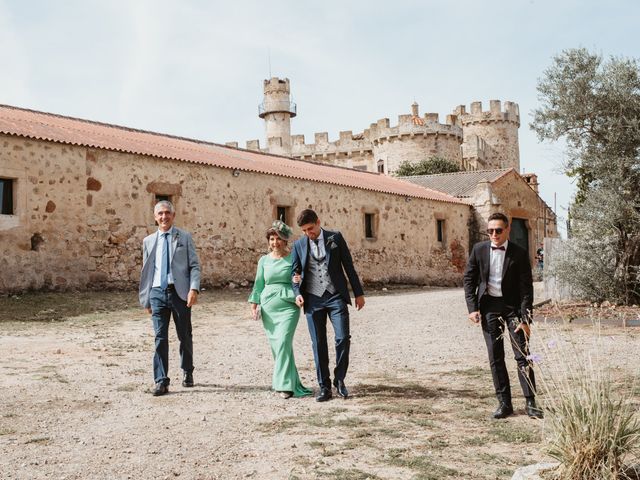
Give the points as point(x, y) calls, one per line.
point(195, 68)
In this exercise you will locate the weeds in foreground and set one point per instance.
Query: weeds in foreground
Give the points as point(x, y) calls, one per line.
point(591, 430)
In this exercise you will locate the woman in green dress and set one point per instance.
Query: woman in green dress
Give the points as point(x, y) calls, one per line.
point(272, 299)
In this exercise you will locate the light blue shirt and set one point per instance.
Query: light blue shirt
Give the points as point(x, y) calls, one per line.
point(159, 256)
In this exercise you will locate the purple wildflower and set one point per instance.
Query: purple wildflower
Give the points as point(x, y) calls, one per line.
point(535, 358)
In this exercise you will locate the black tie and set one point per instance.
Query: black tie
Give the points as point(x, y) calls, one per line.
point(497, 248)
point(317, 257)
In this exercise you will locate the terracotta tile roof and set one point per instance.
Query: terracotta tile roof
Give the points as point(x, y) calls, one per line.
point(459, 184)
point(73, 131)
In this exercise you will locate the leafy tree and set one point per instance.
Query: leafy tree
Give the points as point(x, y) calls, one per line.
point(428, 166)
point(594, 106)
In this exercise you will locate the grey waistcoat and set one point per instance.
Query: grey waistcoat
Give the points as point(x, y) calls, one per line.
point(317, 279)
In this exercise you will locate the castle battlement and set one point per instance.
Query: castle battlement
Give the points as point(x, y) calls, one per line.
point(412, 125)
point(510, 113)
point(277, 85)
point(346, 145)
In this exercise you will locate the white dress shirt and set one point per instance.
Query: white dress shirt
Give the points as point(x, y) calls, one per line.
point(159, 255)
point(494, 284)
point(318, 250)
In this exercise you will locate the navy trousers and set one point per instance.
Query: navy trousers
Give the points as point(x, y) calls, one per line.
point(317, 309)
point(495, 317)
point(165, 303)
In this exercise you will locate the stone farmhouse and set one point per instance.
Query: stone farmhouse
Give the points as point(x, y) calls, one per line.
point(77, 200)
point(77, 196)
point(502, 190)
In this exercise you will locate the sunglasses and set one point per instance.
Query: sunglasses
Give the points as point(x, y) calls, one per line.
point(497, 231)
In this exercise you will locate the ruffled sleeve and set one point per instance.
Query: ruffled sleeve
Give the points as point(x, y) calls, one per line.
point(258, 285)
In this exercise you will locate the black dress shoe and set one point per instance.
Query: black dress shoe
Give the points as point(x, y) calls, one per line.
point(161, 389)
point(187, 379)
point(325, 394)
point(532, 410)
point(341, 388)
point(503, 410)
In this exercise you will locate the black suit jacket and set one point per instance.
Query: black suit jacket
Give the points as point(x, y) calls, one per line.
point(339, 261)
point(517, 282)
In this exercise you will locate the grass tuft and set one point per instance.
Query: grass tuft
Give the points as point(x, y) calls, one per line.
point(593, 430)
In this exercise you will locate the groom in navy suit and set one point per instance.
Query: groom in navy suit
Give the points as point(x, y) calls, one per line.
point(322, 257)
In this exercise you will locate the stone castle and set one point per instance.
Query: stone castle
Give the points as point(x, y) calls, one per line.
point(473, 140)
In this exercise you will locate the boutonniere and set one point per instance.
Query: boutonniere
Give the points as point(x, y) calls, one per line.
point(331, 242)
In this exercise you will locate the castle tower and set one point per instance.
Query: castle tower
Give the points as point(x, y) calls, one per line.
point(414, 139)
point(277, 111)
point(490, 139)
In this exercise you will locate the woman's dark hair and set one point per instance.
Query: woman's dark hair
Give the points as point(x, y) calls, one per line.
point(499, 216)
point(273, 231)
point(306, 216)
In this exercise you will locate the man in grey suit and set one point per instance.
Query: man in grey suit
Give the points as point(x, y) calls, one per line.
point(169, 284)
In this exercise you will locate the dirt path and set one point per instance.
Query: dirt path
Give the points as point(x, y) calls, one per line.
point(75, 399)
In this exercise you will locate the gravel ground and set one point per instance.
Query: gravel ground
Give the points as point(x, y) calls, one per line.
point(76, 403)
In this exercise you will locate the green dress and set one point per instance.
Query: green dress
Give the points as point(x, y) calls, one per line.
point(272, 291)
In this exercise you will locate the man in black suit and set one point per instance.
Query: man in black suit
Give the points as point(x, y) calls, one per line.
point(322, 257)
point(498, 288)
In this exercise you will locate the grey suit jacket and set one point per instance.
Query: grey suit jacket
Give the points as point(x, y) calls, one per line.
point(185, 266)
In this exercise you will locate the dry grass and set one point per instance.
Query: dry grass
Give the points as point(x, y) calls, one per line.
point(593, 425)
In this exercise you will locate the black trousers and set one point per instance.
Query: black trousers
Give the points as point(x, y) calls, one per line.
point(496, 315)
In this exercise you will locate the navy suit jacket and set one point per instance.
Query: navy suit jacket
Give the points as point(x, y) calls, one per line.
point(339, 261)
point(517, 281)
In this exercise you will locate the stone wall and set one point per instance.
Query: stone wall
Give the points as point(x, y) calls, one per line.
point(393, 151)
point(44, 245)
point(413, 139)
point(347, 151)
point(92, 208)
